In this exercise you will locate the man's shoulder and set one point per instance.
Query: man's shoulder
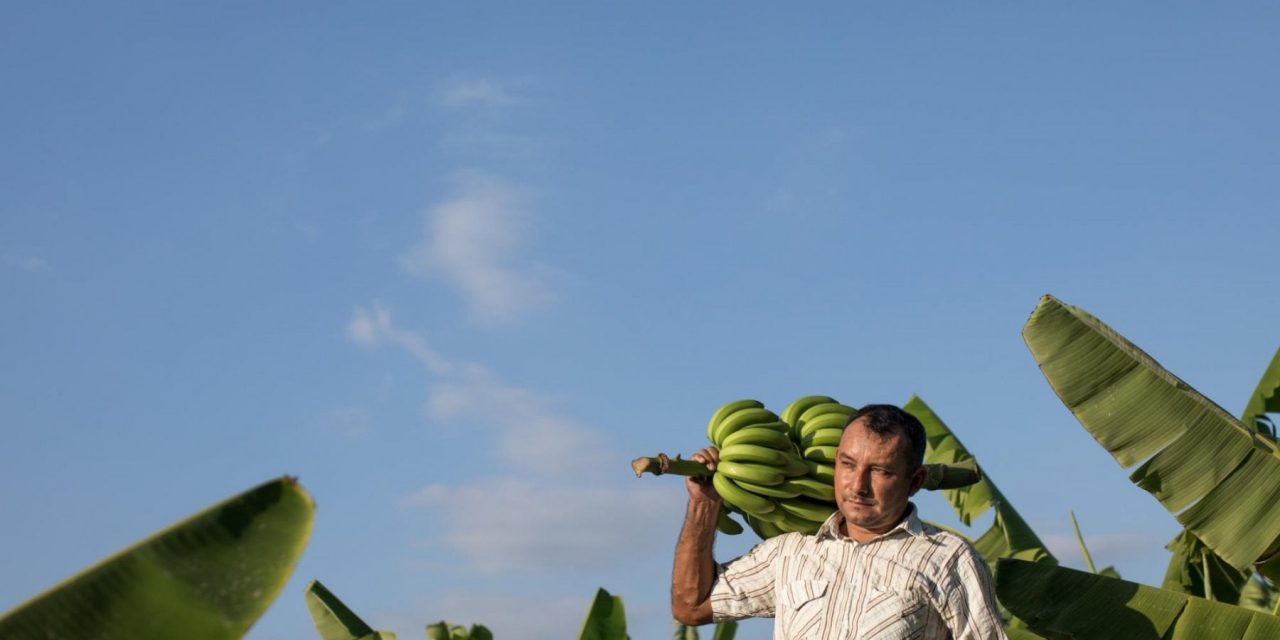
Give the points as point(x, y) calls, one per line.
point(949, 541)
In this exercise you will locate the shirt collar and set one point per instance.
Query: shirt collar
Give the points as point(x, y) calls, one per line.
point(910, 524)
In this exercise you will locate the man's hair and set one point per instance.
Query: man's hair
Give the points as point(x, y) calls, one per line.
point(887, 420)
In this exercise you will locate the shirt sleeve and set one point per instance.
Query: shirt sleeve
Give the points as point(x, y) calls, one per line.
point(970, 610)
point(744, 586)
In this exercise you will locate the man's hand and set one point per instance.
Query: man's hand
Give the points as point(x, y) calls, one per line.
point(700, 488)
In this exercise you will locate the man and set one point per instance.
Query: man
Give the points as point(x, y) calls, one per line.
point(872, 571)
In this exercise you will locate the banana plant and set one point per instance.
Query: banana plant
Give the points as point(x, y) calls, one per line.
point(723, 631)
point(1264, 400)
point(1009, 536)
point(1218, 476)
point(445, 631)
point(606, 619)
point(335, 621)
point(1060, 603)
point(208, 577)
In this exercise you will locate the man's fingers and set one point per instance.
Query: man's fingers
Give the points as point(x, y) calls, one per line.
point(709, 456)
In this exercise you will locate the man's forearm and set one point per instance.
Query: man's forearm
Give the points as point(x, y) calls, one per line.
point(695, 568)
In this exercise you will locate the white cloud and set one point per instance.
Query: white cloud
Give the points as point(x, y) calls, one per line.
point(474, 92)
point(472, 240)
point(373, 328)
point(531, 435)
point(28, 263)
point(527, 524)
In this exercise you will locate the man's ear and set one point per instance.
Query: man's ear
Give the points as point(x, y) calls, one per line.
point(917, 479)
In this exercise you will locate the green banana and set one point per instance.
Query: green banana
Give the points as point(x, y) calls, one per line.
point(755, 453)
point(819, 423)
point(775, 516)
point(763, 528)
point(799, 525)
point(824, 409)
point(811, 510)
point(726, 524)
point(738, 497)
point(753, 473)
point(728, 408)
point(761, 435)
point(812, 488)
point(819, 471)
point(800, 405)
point(797, 467)
point(822, 438)
point(742, 419)
point(820, 454)
point(784, 490)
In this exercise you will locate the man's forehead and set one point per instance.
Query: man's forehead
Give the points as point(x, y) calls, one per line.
point(862, 441)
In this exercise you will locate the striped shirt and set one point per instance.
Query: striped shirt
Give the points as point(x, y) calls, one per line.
point(915, 581)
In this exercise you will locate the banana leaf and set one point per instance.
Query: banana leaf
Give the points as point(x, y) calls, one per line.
point(606, 619)
point(1060, 603)
point(1189, 565)
point(1259, 595)
point(1218, 478)
point(1264, 400)
point(724, 631)
point(445, 631)
point(334, 621)
point(1009, 535)
point(208, 577)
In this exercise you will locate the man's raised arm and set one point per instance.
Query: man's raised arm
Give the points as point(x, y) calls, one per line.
point(695, 568)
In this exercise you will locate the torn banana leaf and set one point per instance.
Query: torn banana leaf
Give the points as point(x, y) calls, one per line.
point(1191, 562)
point(1264, 400)
point(208, 577)
point(606, 619)
point(1009, 535)
point(1060, 603)
point(1219, 478)
point(444, 631)
point(334, 621)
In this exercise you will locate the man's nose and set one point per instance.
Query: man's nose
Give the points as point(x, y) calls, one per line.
point(862, 483)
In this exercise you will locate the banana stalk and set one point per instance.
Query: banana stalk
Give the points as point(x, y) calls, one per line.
point(938, 476)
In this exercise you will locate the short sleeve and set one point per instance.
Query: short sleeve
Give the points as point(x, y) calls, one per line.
point(744, 586)
point(970, 609)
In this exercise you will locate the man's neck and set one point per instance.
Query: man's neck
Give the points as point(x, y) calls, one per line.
point(860, 535)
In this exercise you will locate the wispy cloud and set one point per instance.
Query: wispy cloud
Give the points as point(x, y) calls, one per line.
point(554, 481)
point(563, 528)
point(473, 240)
point(373, 328)
point(460, 91)
point(28, 263)
point(532, 435)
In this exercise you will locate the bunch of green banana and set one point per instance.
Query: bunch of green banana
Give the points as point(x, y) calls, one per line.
point(816, 424)
point(762, 475)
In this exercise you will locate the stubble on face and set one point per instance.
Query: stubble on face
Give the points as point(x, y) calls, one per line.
point(873, 481)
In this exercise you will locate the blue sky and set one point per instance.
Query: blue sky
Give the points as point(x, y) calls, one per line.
point(455, 265)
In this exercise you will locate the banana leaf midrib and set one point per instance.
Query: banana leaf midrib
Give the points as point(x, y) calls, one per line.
point(1156, 422)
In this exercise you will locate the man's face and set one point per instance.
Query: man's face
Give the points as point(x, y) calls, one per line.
point(873, 480)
